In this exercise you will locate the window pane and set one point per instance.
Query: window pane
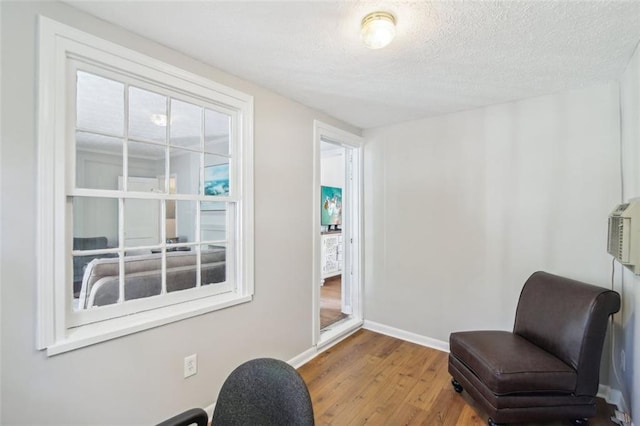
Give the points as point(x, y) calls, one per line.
point(181, 270)
point(147, 115)
point(141, 222)
point(100, 283)
point(85, 274)
point(98, 161)
point(186, 124)
point(213, 222)
point(95, 227)
point(213, 264)
point(96, 218)
point(99, 104)
point(142, 276)
point(146, 160)
point(185, 221)
point(185, 166)
point(217, 128)
point(216, 175)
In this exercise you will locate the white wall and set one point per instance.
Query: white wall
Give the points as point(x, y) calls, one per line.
point(138, 379)
point(462, 208)
point(628, 323)
point(332, 168)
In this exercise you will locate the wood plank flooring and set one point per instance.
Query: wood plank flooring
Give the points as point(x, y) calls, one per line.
point(374, 379)
point(331, 302)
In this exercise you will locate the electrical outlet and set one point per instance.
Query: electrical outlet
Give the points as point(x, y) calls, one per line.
point(190, 365)
point(623, 360)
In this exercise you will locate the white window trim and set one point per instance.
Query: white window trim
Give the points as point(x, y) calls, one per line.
point(56, 42)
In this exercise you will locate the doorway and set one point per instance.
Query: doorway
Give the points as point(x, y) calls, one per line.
point(333, 307)
point(337, 233)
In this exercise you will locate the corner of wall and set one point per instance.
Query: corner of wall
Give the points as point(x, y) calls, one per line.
point(629, 287)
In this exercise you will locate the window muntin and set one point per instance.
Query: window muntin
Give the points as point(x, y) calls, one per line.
point(141, 180)
point(60, 46)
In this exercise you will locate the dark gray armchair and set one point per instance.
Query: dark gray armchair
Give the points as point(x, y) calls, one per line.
point(548, 367)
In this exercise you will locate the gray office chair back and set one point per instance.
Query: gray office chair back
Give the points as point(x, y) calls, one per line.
point(263, 391)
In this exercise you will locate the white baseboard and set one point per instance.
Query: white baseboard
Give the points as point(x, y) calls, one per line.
point(614, 397)
point(209, 409)
point(407, 335)
point(332, 338)
point(335, 335)
point(303, 358)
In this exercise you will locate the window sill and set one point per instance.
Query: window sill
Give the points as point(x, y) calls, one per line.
point(91, 334)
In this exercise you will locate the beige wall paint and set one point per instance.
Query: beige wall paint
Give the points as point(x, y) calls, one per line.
point(506, 178)
point(138, 379)
point(462, 208)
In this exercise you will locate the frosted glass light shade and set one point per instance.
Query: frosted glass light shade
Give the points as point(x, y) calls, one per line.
point(378, 29)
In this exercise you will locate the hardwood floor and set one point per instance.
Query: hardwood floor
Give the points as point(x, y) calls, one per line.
point(330, 302)
point(374, 379)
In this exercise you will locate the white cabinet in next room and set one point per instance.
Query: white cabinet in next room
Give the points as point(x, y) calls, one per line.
point(331, 254)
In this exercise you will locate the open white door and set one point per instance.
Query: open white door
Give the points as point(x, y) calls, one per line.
point(351, 232)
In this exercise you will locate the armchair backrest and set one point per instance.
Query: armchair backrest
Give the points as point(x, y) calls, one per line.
point(567, 318)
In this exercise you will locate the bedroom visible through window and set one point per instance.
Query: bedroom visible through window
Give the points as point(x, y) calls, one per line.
point(145, 192)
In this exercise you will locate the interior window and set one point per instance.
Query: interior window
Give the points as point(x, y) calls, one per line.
point(145, 191)
point(151, 148)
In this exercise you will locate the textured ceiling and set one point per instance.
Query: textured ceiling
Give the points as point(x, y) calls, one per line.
point(447, 56)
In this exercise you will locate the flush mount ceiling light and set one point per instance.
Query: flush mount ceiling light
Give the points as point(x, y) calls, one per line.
point(159, 119)
point(378, 29)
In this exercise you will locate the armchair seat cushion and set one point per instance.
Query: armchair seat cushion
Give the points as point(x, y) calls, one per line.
point(509, 364)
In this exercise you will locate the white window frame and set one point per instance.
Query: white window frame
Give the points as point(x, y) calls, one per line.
point(56, 332)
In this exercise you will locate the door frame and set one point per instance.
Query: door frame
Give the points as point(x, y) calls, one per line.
point(355, 145)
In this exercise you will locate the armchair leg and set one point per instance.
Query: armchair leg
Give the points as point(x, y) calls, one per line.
point(456, 386)
point(490, 422)
point(580, 422)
